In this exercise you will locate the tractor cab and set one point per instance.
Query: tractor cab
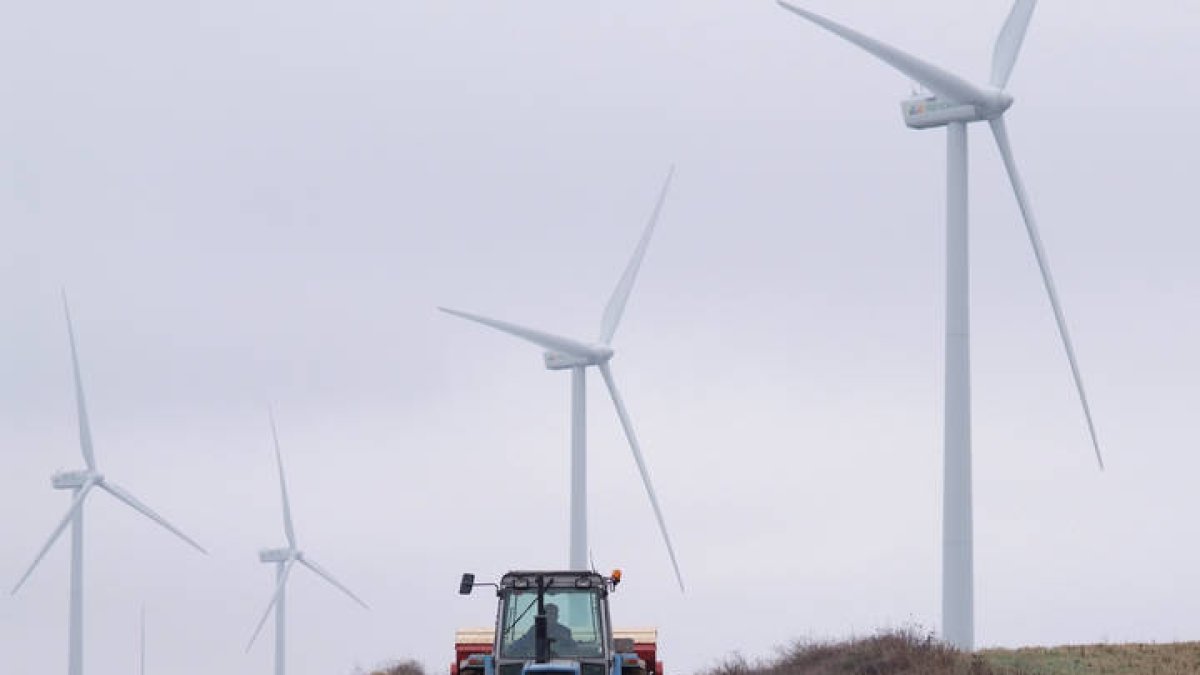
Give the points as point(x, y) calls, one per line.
point(575, 612)
point(550, 623)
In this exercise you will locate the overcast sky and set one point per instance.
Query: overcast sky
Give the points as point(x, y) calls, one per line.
point(260, 202)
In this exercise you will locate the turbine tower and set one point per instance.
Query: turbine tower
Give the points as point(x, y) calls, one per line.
point(569, 354)
point(80, 483)
point(142, 644)
point(284, 559)
point(955, 103)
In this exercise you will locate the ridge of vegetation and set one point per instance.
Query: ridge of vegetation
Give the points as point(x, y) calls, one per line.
point(893, 652)
point(913, 652)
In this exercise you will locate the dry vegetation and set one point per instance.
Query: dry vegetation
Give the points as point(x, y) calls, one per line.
point(908, 652)
point(409, 667)
point(899, 652)
point(1181, 658)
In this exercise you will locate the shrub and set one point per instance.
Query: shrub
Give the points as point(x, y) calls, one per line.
point(894, 652)
point(407, 667)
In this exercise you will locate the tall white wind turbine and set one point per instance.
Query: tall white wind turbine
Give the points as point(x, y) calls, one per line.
point(954, 103)
point(565, 353)
point(81, 482)
point(284, 559)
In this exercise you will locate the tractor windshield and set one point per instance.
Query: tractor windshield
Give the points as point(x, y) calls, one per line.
point(572, 624)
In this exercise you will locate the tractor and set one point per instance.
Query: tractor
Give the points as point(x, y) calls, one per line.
point(553, 623)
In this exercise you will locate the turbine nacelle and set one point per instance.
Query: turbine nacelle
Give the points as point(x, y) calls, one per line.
point(930, 110)
point(278, 555)
point(73, 480)
point(594, 356)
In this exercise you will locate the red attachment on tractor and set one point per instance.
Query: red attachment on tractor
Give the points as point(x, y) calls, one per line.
point(471, 642)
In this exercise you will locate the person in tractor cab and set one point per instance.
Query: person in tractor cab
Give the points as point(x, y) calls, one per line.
point(560, 635)
point(561, 642)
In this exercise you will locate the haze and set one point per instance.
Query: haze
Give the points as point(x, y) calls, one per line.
point(262, 203)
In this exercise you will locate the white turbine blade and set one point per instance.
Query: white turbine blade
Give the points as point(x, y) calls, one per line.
point(279, 588)
point(1008, 43)
point(616, 304)
point(329, 577)
point(123, 495)
point(641, 464)
point(542, 339)
point(936, 79)
point(1001, 134)
point(58, 530)
point(287, 509)
point(85, 430)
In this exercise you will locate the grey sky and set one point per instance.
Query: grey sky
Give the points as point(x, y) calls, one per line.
point(262, 202)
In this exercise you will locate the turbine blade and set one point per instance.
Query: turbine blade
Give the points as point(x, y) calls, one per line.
point(616, 304)
point(542, 339)
point(1008, 43)
point(279, 588)
point(120, 493)
point(287, 509)
point(329, 577)
point(85, 429)
point(76, 504)
point(936, 79)
point(641, 465)
point(1001, 134)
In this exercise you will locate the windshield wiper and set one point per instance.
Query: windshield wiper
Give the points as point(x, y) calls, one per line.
point(517, 620)
point(525, 611)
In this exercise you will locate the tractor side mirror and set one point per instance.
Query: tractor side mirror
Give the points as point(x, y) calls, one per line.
point(467, 583)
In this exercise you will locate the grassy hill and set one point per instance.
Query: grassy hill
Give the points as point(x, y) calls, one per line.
point(908, 652)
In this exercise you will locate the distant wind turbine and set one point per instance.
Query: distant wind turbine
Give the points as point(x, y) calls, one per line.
point(81, 483)
point(142, 644)
point(565, 353)
point(954, 103)
point(284, 559)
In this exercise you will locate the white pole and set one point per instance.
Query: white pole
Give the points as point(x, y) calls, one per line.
point(142, 643)
point(280, 621)
point(957, 556)
point(75, 629)
point(578, 553)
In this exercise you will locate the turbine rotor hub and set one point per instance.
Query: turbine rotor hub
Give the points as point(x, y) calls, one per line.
point(998, 101)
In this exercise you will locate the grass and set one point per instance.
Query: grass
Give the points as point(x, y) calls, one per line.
point(897, 652)
point(909, 652)
point(1180, 658)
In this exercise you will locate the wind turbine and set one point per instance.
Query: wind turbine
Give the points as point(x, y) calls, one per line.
point(955, 103)
point(284, 559)
point(565, 353)
point(81, 482)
